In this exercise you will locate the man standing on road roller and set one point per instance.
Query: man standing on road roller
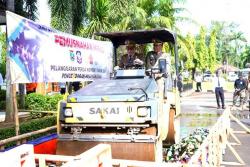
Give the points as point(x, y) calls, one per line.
point(153, 56)
point(152, 60)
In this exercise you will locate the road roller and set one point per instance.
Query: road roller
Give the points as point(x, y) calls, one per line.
point(134, 110)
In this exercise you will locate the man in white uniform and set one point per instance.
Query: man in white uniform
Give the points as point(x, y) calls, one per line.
point(152, 61)
point(154, 56)
point(219, 83)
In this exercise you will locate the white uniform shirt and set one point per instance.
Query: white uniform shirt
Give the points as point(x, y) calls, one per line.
point(219, 82)
point(165, 56)
point(198, 78)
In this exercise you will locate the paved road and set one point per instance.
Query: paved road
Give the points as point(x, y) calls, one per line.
point(204, 103)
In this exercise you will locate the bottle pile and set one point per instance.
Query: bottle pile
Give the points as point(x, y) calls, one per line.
point(183, 151)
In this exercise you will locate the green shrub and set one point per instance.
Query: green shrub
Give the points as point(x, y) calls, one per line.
point(53, 101)
point(36, 124)
point(29, 126)
point(35, 101)
point(40, 102)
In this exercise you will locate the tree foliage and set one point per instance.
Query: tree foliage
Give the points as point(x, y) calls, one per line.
point(98, 17)
point(212, 51)
point(26, 8)
point(202, 50)
point(229, 42)
point(67, 16)
point(245, 58)
point(3, 48)
point(192, 56)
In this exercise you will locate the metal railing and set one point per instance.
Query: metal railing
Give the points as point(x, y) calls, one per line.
point(36, 111)
point(21, 139)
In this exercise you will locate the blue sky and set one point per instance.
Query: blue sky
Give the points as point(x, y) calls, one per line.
point(202, 11)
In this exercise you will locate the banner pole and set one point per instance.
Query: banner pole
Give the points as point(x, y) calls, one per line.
point(13, 88)
point(11, 100)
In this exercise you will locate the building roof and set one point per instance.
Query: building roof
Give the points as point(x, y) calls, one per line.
point(228, 68)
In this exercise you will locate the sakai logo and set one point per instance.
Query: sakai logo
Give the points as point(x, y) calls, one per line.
point(106, 110)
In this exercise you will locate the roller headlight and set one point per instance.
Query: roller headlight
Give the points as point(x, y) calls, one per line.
point(68, 112)
point(143, 111)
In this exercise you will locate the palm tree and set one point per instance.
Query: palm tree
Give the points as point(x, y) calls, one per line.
point(238, 41)
point(98, 17)
point(229, 42)
point(245, 58)
point(26, 8)
point(67, 16)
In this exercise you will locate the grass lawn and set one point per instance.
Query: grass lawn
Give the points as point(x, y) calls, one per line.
point(208, 86)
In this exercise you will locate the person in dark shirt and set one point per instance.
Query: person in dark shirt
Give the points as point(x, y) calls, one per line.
point(240, 88)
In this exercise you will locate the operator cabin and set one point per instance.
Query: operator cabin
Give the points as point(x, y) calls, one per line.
point(133, 59)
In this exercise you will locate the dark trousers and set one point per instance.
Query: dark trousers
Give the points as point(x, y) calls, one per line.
point(198, 87)
point(219, 93)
